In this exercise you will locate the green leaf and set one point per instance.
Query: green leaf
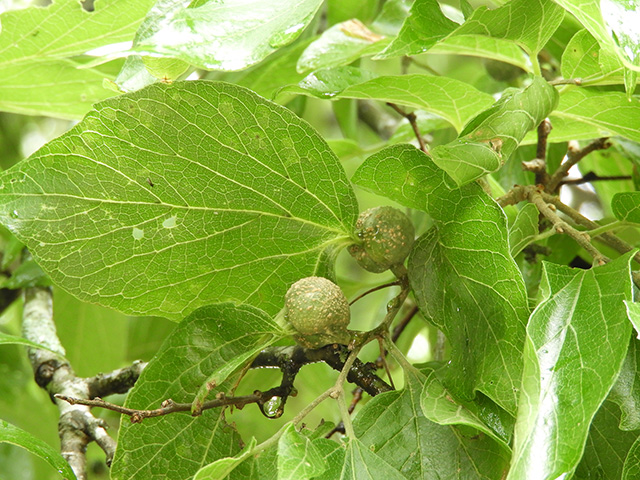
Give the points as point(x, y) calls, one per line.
point(455, 101)
point(393, 426)
point(16, 436)
point(566, 375)
point(298, 458)
point(485, 47)
point(439, 407)
point(224, 34)
point(524, 228)
point(40, 78)
point(425, 25)
point(606, 447)
point(340, 45)
point(528, 23)
point(180, 443)
point(361, 463)
point(392, 16)
point(626, 391)
point(626, 206)
point(333, 454)
point(462, 273)
point(631, 467)
point(582, 59)
point(614, 23)
point(609, 112)
point(156, 208)
point(341, 10)
point(222, 467)
point(633, 311)
point(490, 138)
point(6, 339)
point(28, 274)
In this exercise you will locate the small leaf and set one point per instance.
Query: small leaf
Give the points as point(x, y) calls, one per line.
point(28, 274)
point(16, 436)
point(298, 458)
point(340, 45)
point(362, 464)
point(393, 426)
point(582, 59)
point(633, 311)
point(631, 469)
point(333, 455)
point(524, 228)
point(6, 339)
point(208, 338)
point(221, 468)
point(566, 375)
point(156, 208)
point(425, 25)
point(452, 99)
point(490, 138)
point(626, 206)
point(626, 391)
point(223, 34)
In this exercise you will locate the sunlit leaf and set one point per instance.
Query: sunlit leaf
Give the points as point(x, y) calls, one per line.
point(298, 458)
point(152, 206)
point(226, 34)
point(524, 228)
point(626, 206)
point(16, 436)
point(626, 391)
point(180, 443)
point(222, 467)
point(582, 59)
point(566, 374)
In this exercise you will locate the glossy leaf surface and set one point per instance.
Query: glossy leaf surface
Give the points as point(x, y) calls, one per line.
point(567, 375)
point(153, 207)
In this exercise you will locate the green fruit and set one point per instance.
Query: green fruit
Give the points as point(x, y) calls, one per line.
point(386, 235)
point(318, 311)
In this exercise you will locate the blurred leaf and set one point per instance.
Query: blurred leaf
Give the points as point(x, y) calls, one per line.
point(392, 16)
point(455, 101)
point(223, 34)
point(626, 206)
point(425, 25)
point(614, 23)
point(393, 426)
point(606, 447)
point(567, 129)
point(581, 59)
point(298, 458)
point(524, 228)
point(340, 45)
point(631, 469)
point(528, 23)
point(39, 78)
point(341, 10)
point(462, 259)
point(626, 391)
point(439, 407)
point(607, 111)
point(28, 274)
point(492, 136)
point(633, 311)
point(485, 47)
point(14, 435)
point(180, 443)
point(157, 209)
point(566, 375)
point(6, 339)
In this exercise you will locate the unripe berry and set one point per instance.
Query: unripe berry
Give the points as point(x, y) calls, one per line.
point(318, 311)
point(387, 236)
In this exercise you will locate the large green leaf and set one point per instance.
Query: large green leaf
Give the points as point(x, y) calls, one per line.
point(577, 339)
point(452, 99)
point(211, 336)
point(493, 135)
point(393, 426)
point(181, 195)
point(614, 23)
point(606, 447)
point(39, 77)
point(462, 273)
point(224, 34)
point(425, 25)
point(530, 23)
point(610, 112)
point(16, 436)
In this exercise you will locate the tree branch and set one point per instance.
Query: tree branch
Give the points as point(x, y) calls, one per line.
point(411, 117)
point(574, 155)
point(594, 177)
